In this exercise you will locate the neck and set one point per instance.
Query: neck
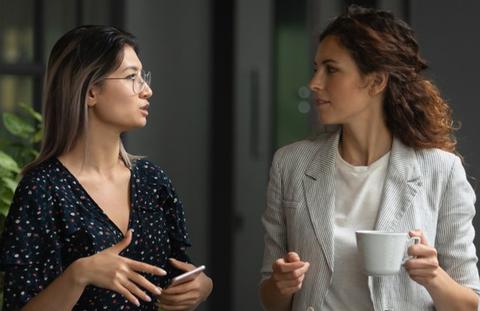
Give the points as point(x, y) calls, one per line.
point(363, 143)
point(97, 151)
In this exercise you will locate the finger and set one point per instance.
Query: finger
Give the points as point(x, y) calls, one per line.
point(419, 233)
point(144, 267)
point(291, 275)
point(134, 289)
point(180, 288)
point(120, 246)
point(184, 266)
point(287, 267)
point(141, 281)
point(422, 250)
point(127, 294)
point(422, 273)
point(290, 283)
point(422, 263)
point(292, 257)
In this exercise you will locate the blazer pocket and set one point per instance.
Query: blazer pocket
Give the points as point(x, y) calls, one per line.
point(290, 204)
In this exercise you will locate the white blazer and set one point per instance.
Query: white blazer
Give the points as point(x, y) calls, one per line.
point(424, 189)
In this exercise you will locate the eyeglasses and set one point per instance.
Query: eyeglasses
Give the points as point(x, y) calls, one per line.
point(139, 82)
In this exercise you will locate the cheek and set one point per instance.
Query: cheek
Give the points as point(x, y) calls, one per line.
point(115, 108)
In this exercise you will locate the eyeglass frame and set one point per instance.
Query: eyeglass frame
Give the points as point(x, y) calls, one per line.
point(145, 78)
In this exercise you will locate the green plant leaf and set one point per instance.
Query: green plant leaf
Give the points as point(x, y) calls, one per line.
point(8, 163)
point(17, 126)
point(31, 112)
point(4, 207)
point(10, 183)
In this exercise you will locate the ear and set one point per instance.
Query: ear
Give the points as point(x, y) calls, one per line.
point(92, 95)
point(378, 83)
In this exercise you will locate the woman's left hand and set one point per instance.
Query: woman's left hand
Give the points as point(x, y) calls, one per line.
point(423, 269)
point(185, 296)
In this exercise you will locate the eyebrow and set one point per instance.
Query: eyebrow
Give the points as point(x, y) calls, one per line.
point(130, 67)
point(326, 61)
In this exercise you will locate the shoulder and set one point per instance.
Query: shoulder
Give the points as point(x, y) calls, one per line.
point(434, 161)
point(40, 179)
point(303, 151)
point(151, 172)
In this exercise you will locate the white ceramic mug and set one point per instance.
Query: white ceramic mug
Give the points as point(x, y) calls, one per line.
point(383, 253)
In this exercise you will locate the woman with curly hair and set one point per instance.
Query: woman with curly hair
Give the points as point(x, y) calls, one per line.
point(391, 166)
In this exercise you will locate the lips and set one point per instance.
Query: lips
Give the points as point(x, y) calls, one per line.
point(321, 102)
point(144, 108)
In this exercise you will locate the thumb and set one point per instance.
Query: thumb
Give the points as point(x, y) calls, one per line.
point(120, 246)
point(184, 266)
point(292, 257)
point(419, 233)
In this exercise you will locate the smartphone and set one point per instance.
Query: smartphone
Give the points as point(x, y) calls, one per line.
point(187, 276)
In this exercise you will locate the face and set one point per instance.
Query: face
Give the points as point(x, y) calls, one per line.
point(114, 103)
point(341, 93)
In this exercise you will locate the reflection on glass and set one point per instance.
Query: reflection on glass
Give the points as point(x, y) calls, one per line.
point(15, 90)
point(16, 31)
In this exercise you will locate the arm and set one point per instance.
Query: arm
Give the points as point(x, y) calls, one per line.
point(188, 295)
point(105, 269)
point(282, 272)
point(62, 294)
point(449, 272)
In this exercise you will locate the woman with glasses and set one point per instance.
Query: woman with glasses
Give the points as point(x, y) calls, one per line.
point(92, 227)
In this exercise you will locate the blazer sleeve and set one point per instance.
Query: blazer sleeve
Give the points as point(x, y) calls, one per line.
point(273, 220)
point(455, 231)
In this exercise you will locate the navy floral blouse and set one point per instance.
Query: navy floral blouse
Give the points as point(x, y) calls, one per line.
point(53, 221)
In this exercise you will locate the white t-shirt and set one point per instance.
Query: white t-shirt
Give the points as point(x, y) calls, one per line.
point(358, 191)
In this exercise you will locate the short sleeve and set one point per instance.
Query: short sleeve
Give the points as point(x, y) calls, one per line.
point(29, 249)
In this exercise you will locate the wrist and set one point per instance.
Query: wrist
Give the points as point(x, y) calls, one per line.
point(77, 272)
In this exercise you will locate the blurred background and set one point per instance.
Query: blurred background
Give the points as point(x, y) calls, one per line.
point(230, 87)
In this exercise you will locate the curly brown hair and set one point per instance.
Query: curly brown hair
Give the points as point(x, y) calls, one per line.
point(379, 42)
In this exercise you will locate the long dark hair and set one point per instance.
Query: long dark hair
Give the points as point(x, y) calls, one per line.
point(80, 59)
point(379, 42)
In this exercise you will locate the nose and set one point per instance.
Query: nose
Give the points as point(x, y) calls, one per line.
point(317, 82)
point(146, 92)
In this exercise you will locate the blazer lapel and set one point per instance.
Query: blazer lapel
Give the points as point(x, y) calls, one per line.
point(319, 188)
point(402, 183)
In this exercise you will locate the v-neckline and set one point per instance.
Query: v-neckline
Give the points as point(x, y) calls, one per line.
point(95, 204)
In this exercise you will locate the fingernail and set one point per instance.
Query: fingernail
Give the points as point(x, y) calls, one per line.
point(158, 290)
point(137, 303)
point(147, 298)
point(161, 271)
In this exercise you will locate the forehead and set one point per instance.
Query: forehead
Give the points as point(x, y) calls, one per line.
point(331, 48)
point(130, 59)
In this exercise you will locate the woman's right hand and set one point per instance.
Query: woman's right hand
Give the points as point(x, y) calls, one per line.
point(107, 269)
point(288, 273)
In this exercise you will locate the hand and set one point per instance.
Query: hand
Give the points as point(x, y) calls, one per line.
point(107, 269)
point(288, 273)
point(423, 269)
point(188, 295)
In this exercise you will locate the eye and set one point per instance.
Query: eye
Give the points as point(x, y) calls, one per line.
point(331, 69)
point(133, 76)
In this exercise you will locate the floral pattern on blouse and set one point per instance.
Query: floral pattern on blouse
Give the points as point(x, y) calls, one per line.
point(53, 222)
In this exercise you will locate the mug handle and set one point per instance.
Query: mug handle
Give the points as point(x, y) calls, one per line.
point(411, 241)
